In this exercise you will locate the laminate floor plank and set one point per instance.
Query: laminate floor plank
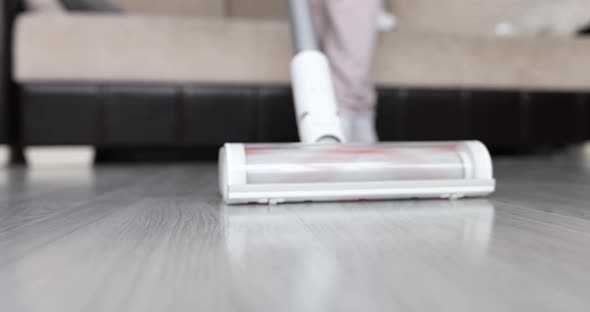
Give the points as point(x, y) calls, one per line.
point(52, 204)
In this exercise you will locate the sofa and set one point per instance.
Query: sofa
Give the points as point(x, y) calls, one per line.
point(197, 73)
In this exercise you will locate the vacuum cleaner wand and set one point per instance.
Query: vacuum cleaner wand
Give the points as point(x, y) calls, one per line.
point(313, 90)
point(321, 169)
point(302, 27)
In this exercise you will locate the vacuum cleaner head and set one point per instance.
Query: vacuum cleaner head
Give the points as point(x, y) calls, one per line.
point(277, 173)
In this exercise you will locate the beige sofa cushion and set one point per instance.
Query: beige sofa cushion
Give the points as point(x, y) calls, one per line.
point(552, 18)
point(213, 8)
point(44, 6)
point(260, 9)
point(456, 16)
point(79, 47)
point(143, 49)
point(427, 59)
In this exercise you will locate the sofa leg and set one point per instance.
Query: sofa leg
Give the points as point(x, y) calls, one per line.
point(59, 156)
point(4, 155)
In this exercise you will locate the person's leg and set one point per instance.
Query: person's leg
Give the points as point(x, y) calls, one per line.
point(323, 30)
point(349, 42)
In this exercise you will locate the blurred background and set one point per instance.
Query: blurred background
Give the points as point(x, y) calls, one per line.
point(129, 80)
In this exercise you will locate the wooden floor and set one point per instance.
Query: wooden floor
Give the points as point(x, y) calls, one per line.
point(156, 238)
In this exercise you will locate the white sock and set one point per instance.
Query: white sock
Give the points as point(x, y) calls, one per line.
point(358, 129)
point(347, 123)
point(364, 130)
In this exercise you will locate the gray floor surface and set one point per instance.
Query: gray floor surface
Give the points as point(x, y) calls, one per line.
point(157, 238)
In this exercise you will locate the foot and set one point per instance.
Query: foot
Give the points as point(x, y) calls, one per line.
point(358, 129)
point(365, 130)
point(347, 124)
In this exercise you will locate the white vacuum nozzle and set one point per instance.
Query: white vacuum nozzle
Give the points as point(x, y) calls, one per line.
point(259, 173)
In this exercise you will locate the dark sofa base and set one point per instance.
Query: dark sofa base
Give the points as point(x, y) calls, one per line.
point(8, 11)
point(111, 116)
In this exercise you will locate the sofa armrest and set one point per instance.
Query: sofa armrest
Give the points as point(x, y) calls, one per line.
point(8, 11)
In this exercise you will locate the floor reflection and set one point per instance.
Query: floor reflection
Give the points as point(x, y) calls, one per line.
point(317, 252)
